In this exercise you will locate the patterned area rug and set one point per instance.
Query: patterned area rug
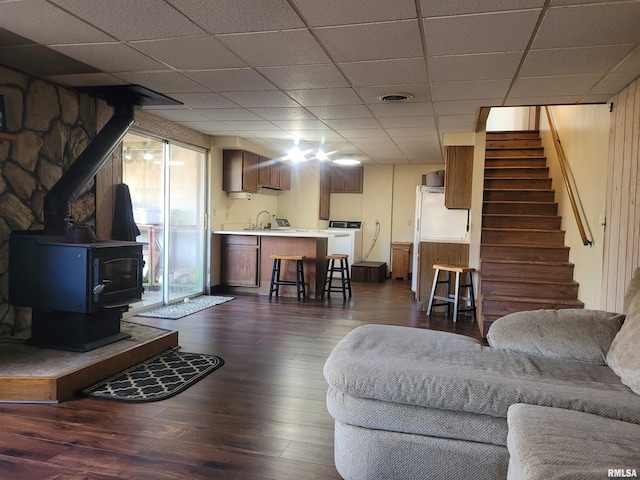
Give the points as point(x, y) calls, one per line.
point(157, 378)
point(179, 310)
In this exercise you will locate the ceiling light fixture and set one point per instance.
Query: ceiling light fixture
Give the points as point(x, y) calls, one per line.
point(394, 97)
point(346, 161)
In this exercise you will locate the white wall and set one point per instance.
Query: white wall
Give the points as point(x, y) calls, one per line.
point(584, 135)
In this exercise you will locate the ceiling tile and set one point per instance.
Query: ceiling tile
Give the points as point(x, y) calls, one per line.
point(36, 20)
point(419, 92)
point(187, 53)
point(444, 34)
point(613, 83)
point(409, 109)
point(340, 111)
point(301, 124)
point(226, 114)
point(235, 16)
point(339, 12)
point(575, 86)
point(470, 90)
point(163, 82)
point(325, 96)
point(204, 100)
point(584, 25)
point(86, 80)
point(363, 133)
point(41, 60)
point(464, 107)
point(139, 20)
point(230, 80)
point(257, 125)
point(353, 123)
point(316, 135)
point(386, 72)
point(407, 122)
point(208, 126)
point(110, 57)
point(261, 99)
point(460, 7)
point(411, 132)
point(547, 100)
point(292, 47)
point(631, 63)
point(573, 61)
point(354, 43)
point(181, 115)
point(463, 122)
point(305, 76)
point(482, 66)
point(291, 113)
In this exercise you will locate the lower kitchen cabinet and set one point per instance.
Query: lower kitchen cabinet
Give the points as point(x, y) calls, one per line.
point(239, 260)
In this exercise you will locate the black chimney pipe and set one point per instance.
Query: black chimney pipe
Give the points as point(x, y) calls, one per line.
point(57, 203)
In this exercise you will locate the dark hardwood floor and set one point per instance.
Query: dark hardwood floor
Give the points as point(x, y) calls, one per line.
point(261, 416)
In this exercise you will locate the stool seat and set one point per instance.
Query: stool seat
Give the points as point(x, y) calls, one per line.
point(276, 281)
point(447, 299)
point(345, 277)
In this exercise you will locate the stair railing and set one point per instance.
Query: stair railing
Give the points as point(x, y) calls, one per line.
point(565, 178)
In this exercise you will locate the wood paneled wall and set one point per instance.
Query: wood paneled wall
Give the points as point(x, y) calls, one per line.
point(622, 233)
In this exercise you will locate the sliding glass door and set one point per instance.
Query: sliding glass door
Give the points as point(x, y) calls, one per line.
point(167, 185)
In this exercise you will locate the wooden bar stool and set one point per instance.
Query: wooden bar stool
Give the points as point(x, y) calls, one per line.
point(454, 298)
point(276, 281)
point(345, 277)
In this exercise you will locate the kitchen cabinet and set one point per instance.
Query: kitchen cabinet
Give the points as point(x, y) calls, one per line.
point(274, 175)
point(239, 171)
point(458, 177)
point(239, 260)
point(400, 257)
point(347, 179)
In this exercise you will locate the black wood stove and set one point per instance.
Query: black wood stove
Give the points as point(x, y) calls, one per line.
point(79, 287)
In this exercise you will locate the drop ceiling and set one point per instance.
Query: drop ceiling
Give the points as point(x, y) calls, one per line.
point(279, 71)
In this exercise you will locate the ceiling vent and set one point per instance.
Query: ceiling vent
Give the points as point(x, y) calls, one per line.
point(394, 97)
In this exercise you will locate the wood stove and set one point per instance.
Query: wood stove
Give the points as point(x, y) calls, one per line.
point(78, 287)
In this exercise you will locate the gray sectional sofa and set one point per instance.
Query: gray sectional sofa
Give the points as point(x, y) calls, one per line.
point(419, 404)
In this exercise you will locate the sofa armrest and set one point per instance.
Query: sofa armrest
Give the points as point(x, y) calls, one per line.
point(569, 334)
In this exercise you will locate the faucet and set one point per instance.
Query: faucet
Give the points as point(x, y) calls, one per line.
point(258, 216)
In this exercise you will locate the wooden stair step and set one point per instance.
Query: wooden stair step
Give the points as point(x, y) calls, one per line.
point(501, 305)
point(515, 162)
point(526, 269)
point(544, 222)
point(516, 208)
point(514, 152)
point(530, 287)
point(533, 253)
point(522, 236)
point(516, 171)
point(514, 143)
point(508, 195)
point(515, 134)
point(526, 183)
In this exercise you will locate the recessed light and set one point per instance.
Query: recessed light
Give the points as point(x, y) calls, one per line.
point(346, 161)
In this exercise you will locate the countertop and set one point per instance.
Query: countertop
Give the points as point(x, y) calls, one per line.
point(294, 232)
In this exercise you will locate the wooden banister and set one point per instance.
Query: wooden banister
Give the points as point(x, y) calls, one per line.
point(565, 178)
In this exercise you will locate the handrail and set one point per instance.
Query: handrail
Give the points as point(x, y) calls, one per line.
point(565, 177)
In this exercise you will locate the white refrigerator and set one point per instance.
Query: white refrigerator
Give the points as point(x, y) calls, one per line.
point(436, 223)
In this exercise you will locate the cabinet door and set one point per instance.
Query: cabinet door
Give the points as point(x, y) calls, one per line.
point(239, 260)
point(264, 172)
point(250, 172)
point(285, 176)
point(346, 179)
point(239, 171)
point(458, 177)
point(274, 175)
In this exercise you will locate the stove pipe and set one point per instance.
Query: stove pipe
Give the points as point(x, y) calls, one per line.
point(57, 203)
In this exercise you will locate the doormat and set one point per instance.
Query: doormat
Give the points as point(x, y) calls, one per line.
point(179, 310)
point(157, 378)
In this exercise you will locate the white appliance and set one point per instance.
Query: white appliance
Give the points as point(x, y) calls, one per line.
point(436, 223)
point(350, 244)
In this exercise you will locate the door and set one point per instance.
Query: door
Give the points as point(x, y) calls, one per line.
point(167, 188)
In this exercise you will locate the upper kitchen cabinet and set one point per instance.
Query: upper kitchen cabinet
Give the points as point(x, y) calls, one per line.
point(274, 175)
point(458, 177)
point(346, 179)
point(239, 171)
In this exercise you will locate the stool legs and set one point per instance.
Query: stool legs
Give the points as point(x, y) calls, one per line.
point(276, 281)
point(454, 298)
point(345, 278)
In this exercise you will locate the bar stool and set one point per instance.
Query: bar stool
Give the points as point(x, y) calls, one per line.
point(454, 298)
point(276, 281)
point(343, 268)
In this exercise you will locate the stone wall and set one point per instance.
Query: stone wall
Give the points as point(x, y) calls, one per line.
point(52, 125)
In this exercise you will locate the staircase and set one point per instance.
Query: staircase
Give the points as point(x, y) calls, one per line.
point(523, 259)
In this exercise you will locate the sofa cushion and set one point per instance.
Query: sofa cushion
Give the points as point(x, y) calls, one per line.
point(624, 354)
point(569, 334)
point(632, 289)
point(443, 370)
point(552, 444)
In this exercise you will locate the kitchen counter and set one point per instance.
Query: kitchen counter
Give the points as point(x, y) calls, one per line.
point(294, 232)
point(246, 262)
